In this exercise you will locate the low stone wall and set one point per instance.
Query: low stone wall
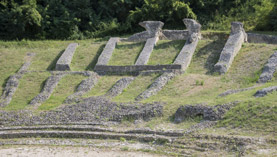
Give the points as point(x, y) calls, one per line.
point(119, 86)
point(231, 48)
point(107, 52)
point(147, 50)
point(207, 112)
point(13, 82)
point(134, 68)
point(156, 86)
point(175, 34)
point(65, 60)
point(269, 69)
point(96, 110)
point(233, 91)
point(261, 38)
point(47, 90)
point(84, 87)
point(263, 92)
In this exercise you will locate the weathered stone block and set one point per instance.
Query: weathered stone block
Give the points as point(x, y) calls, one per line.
point(153, 29)
point(147, 50)
point(231, 48)
point(107, 52)
point(65, 60)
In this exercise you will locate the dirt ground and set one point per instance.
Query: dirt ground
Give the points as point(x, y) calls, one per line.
point(66, 151)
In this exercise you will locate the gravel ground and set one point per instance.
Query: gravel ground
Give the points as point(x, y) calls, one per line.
point(62, 151)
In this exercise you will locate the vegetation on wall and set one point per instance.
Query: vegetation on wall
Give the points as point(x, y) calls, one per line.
point(78, 19)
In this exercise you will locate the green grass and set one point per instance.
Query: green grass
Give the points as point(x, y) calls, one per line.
point(198, 85)
point(103, 85)
point(29, 86)
point(135, 88)
point(86, 55)
point(65, 87)
point(126, 53)
point(166, 51)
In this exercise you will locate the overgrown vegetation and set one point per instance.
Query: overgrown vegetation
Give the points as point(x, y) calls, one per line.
point(79, 19)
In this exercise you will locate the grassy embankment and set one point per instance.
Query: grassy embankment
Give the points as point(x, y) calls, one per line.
point(198, 85)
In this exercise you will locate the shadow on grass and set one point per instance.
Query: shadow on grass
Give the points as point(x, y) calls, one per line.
point(213, 50)
point(53, 63)
point(95, 59)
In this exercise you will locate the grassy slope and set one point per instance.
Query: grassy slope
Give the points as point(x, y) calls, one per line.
point(165, 51)
point(183, 89)
point(126, 53)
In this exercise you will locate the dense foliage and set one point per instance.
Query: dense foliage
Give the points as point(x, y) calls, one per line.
point(77, 19)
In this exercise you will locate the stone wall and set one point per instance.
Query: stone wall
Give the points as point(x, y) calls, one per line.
point(175, 34)
point(261, 38)
point(231, 48)
point(65, 60)
point(13, 82)
point(47, 90)
point(269, 69)
point(107, 52)
point(147, 50)
point(135, 68)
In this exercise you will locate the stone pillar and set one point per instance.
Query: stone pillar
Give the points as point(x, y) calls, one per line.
point(193, 28)
point(153, 28)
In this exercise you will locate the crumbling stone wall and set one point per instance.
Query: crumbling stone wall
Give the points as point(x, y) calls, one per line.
point(211, 113)
point(269, 69)
point(13, 82)
point(47, 90)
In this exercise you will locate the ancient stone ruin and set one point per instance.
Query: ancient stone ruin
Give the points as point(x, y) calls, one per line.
point(231, 48)
point(150, 36)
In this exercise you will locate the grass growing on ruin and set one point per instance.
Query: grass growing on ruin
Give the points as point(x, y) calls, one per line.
point(165, 51)
point(103, 85)
point(86, 55)
point(126, 53)
point(140, 84)
point(29, 86)
point(65, 87)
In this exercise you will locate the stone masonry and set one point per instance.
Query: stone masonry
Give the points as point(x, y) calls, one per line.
point(65, 60)
point(269, 69)
point(183, 59)
point(107, 52)
point(153, 29)
point(13, 82)
point(231, 48)
point(47, 90)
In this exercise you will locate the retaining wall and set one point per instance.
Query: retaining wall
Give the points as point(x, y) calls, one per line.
point(261, 38)
point(135, 68)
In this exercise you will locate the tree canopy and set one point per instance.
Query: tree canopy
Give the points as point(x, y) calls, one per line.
point(77, 19)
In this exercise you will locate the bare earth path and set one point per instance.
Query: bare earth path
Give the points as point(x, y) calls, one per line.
point(62, 151)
